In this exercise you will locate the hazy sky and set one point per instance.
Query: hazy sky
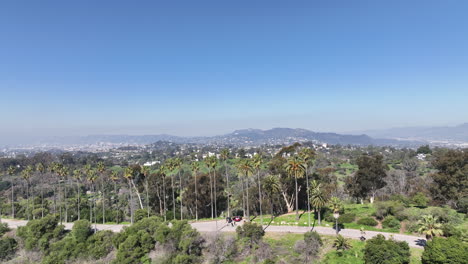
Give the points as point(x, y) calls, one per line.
point(205, 68)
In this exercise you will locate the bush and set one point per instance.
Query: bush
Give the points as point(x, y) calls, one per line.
point(4, 228)
point(367, 221)
point(38, 234)
point(100, 244)
point(382, 209)
point(81, 230)
point(251, 231)
point(445, 251)
point(412, 214)
point(312, 238)
point(400, 198)
point(445, 215)
point(420, 199)
point(8, 247)
point(391, 222)
point(381, 251)
point(343, 219)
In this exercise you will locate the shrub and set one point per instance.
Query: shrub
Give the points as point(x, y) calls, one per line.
point(445, 215)
point(378, 250)
point(4, 228)
point(420, 199)
point(367, 221)
point(400, 198)
point(445, 251)
point(382, 209)
point(8, 247)
point(100, 244)
point(412, 214)
point(391, 222)
point(38, 234)
point(251, 231)
point(312, 237)
point(81, 230)
point(343, 219)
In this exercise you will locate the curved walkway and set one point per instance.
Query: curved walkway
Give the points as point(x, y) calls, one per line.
point(220, 225)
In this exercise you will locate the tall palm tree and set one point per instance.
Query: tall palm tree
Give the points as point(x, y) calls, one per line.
point(257, 164)
point(163, 171)
point(91, 177)
point(170, 165)
point(63, 173)
point(128, 175)
point(41, 169)
point(178, 166)
point(306, 155)
point(101, 168)
point(224, 155)
point(114, 177)
point(26, 174)
point(213, 162)
point(246, 168)
point(295, 168)
point(317, 198)
point(195, 168)
point(430, 227)
point(145, 171)
point(271, 185)
point(77, 174)
point(11, 171)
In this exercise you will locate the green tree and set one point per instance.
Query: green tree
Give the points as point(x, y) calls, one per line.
point(195, 168)
point(450, 182)
point(11, 171)
point(271, 185)
point(26, 174)
point(378, 250)
point(245, 168)
point(41, 169)
point(369, 178)
point(295, 168)
point(341, 244)
point(445, 251)
point(101, 168)
point(224, 155)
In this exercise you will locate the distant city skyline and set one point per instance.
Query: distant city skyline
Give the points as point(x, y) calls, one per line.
point(207, 68)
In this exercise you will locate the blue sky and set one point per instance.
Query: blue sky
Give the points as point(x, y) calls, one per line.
point(209, 67)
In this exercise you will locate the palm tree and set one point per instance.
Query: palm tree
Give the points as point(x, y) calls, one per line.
point(257, 164)
point(129, 174)
point(224, 155)
point(212, 162)
point(317, 198)
point(91, 178)
point(271, 185)
point(341, 244)
point(246, 169)
point(295, 167)
point(26, 174)
point(430, 227)
point(335, 205)
point(178, 167)
point(77, 174)
point(101, 168)
point(163, 171)
point(114, 177)
point(195, 168)
point(171, 167)
point(63, 173)
point(41, 169)
point(306, 155)
point(146, 171)
point(11, 171)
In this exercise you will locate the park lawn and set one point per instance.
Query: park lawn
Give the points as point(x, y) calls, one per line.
point(354, 255)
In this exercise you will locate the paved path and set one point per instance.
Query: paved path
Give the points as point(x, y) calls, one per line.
point(220, 225)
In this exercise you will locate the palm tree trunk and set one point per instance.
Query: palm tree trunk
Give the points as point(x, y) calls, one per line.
point(138, 194)
point(42, 196)
point(297, 200)
point(260, 197)
point(243, 196)
point(215, 193)
point(319, 216)
point(78, 199)
point(12, 199)
point(65, 199)
point(173, 197)
point(308, 198)
point(180, 195)
point(227, 190)
point(247, 188)
point(103, 203)
point(131, 202)
point(147, 198)
point(164, 199)
point(196, 198)
point(211, 194)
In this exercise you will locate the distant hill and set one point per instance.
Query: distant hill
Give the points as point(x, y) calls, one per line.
point(245, 137)
point(452, 134)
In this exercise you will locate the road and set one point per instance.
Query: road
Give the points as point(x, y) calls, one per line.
point(213, 226)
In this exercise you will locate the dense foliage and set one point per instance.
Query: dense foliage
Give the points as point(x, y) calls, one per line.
point(378, 250)
point(445, 251)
